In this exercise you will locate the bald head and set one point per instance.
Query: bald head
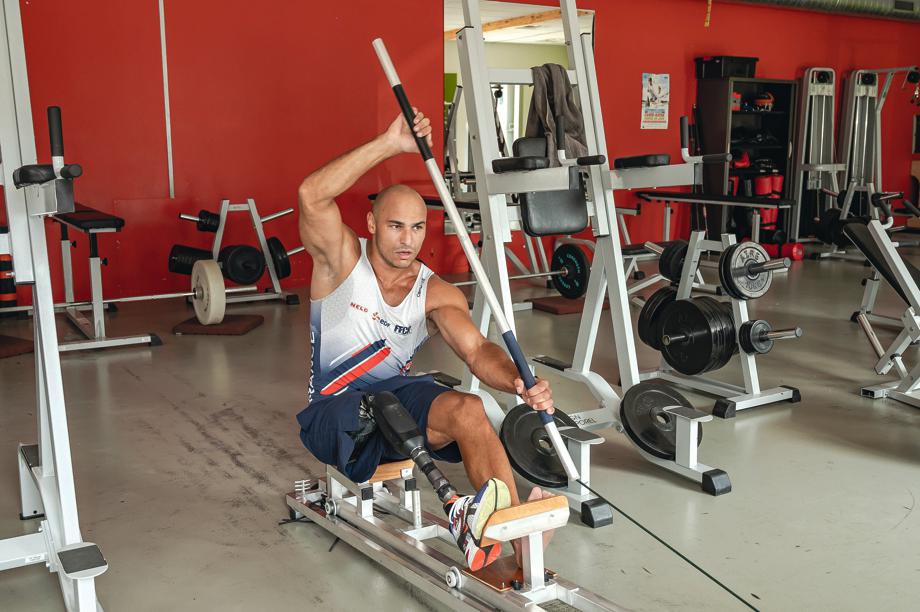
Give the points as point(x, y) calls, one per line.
point(397, 224)
point(398, 196)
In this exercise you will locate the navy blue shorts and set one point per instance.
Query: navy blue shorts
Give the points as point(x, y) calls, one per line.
point(324, 426)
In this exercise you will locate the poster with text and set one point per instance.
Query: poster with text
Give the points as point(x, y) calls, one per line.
point(656, 93)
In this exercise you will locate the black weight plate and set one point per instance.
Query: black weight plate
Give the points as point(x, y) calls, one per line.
point(645, 421)
point(529, 448)
point(649, 323)
point(709, 335)
point(671, 262)
point(279, 257)
point(182, 258)
point(574, 283)
point(723, 330)
point(725, 272)
point(751, 337)
point(241, 263)
point(207, 221)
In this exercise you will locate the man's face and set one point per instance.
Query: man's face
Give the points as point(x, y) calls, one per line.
point(398, 227)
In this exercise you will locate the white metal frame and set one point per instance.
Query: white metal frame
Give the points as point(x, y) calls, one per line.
point(906, 388)
point(607, 277)
point(227, 207)
point(347, 510)
point(47, 490)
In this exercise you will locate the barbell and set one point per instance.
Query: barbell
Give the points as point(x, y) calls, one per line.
point(209, 296)
point(698, 335)
point(568, 272)
point(745, 269)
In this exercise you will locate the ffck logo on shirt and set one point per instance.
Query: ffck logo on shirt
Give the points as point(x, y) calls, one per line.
point(402, 330)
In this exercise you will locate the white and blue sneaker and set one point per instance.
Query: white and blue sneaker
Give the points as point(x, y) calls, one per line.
point(468, 516)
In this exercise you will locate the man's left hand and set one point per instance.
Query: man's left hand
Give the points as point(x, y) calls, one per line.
point(538, 397)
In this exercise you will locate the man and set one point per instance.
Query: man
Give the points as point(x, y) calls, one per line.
point(372, 306)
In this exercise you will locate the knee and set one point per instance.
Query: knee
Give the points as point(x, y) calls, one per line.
point(470, 415)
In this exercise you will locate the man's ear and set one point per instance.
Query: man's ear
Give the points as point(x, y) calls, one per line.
point(371, 223)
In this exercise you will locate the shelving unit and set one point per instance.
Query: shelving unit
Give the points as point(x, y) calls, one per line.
point(723, 130)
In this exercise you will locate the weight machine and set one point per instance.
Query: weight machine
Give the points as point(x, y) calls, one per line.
point(496, 177)
point(873, 241)
point(32, 192)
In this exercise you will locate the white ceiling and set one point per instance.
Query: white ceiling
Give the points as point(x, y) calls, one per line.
point(545, 33)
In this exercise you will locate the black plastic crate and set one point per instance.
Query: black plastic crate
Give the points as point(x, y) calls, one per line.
point(722, 66)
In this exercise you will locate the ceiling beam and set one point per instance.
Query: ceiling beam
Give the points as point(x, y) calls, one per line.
point(516, 22)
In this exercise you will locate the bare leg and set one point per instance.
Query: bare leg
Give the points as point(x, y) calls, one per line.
point(460, 417)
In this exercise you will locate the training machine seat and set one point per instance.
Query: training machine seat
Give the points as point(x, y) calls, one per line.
point(859, 235)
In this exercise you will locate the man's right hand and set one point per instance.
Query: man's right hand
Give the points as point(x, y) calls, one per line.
point(401, 138)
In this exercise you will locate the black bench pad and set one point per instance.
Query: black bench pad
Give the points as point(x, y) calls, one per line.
point(87, 219)
point(650, 160)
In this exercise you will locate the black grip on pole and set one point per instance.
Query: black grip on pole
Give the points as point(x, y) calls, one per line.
point(409, 114)
point(684, 133)
point(517, 355)
point(72, 171)
point(54, 131)
point(560, 133)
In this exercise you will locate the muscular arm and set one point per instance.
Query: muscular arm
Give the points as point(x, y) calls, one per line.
point(485, 359)
point(332, 244)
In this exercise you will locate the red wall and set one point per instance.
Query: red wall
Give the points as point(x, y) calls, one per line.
point(259, 99)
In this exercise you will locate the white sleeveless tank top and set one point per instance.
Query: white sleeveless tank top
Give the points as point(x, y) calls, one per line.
point(358, 339)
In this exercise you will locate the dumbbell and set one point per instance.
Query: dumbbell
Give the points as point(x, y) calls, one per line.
point(281, 257)
point(206, 221)
point(243, 264)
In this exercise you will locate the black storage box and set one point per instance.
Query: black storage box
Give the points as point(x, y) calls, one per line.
point(722, 66)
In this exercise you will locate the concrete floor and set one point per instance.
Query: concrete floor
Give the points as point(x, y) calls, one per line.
point(183, 452)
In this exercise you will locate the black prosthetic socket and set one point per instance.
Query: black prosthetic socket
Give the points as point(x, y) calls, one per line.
point(401, 432)
point(366, 426)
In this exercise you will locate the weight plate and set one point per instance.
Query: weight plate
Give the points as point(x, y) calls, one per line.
point(671, 262)
point(241, 263)
point(529, 448)
point(207, 221)
point(279, 257)
point(751, 337)
point(574, 283)
point(734, 275)
point(701, 335)
point(649, 324)
point(647, 423)
point(209, 298)
point(182, 258)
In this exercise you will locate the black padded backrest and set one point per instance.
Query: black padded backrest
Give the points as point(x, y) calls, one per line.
point(859, 235)
point(548, 213)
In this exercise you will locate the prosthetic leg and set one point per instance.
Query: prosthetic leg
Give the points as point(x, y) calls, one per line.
point(402, 434)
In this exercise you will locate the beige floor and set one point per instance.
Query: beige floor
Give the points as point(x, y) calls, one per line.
point(182, 454)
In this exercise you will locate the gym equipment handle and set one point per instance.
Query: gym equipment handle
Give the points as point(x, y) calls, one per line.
point(71, 171)
point(55, 131)
point(709, 158)
point(773, 264)
point(390, 70)
point(450, 207)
